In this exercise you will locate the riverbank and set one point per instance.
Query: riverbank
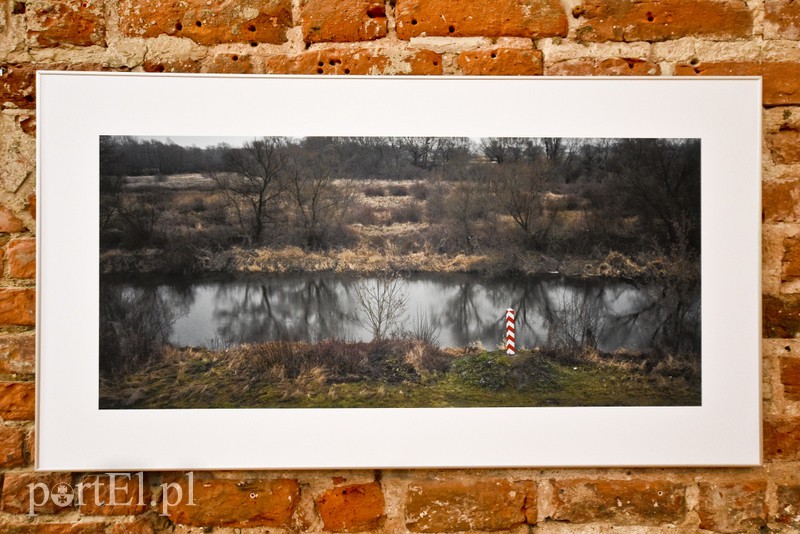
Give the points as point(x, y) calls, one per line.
point(398, 373)
point(370, 261)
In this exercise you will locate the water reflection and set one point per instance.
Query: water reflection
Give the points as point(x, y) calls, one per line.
point(551, 311)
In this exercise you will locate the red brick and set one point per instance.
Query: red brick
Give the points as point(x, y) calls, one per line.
point(788, 505)
point(171, 65)
point(229, 64)
point(453, 505)
point(9, 222)
point(782, 19)
point(22, 258)
point(733, 507)
point(16, 493)
point(71, 22)
point(464, 18)
point(17, 307)
point(660, 20)
point(605, 67)
point(231, 503)
point(785, 145)
point(96, 495)
point(17, 401)
point(17, 354)
point(790, 262)
point(623, 502)
point(781, 200)
point(782, 439)
point(208, 23)
point(18, 86)
point(343, 20)
point(790, 378)
point(358, 61)
point(780, 84)
point(501, 61)
point(781, 316)
point(353, 508)
point(12, 447)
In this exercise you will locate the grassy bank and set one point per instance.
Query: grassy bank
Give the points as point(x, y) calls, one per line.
point(398, 373)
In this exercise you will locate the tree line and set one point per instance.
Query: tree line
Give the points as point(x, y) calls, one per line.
point(629, 192)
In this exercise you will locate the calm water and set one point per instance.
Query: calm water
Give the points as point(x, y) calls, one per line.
point(465, 309)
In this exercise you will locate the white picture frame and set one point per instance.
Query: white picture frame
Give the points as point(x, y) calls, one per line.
point(75, 108)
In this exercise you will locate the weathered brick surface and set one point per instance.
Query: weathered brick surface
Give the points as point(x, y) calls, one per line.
point(68, 22)
point(18, 82)
point(781, 200)
point(174, 65)
point(16, 493)
point(455, 505)
point(605, 67)
point(359, 61)
point(9, 222)
point(461, 18)
point(623, 502)
point(257, 503)
point(782, 19)
point(781, 316)
point(790, 377)
point(733, 507)
point(97, 494)
point(17, 401)
point(17, 306)
point(229, 63)
point(17, 354)
point(782, 439)
point(780, 84)
point(12, 446)
point(139, 526)
point(660, 20)
point(60, 528)
point(785, 145)
point(352, 508)
point(209, 23)
point(343, 20)
point(501, 62)
point(788, 513)
point(22, 258)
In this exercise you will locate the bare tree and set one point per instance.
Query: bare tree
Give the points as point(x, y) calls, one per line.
point(382, 302)
point(318, 202)
point(253, 181)
point(519, 190)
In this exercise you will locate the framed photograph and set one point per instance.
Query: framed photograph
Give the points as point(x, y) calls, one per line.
point(361, 272)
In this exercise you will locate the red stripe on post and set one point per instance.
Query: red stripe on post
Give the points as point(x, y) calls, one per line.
point(510, 335)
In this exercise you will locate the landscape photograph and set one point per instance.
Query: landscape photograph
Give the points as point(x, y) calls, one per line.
point(376, 272)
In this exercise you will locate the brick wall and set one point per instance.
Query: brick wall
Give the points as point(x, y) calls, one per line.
point(451, 37)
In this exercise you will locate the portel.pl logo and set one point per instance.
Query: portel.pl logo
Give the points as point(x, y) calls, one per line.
point(63, 494)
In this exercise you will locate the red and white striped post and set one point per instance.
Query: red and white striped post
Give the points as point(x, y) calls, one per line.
point(510, 337)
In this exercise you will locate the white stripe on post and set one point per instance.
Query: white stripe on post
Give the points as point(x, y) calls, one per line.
point(510, 333)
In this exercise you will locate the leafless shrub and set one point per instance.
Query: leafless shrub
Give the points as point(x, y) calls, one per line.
point(382, 302)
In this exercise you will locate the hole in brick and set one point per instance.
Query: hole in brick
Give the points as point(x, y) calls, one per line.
point(178, 26)
point(253, 43)
point(779, 451)
point(347, 71)
point(630, 63)
point(319, 71)
point(788, 348)
point(29, 98)
point(320, 64)
point(451, 29)
point(650, 17)
point(694, 61)
point(83, 5)
point(251, 28)
point(159, 68)
point(413, 22)
point(235, 57)
point(18, 9)
point(376, 11)
point(493, 55)
point(435, 63)
point(198, 23)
